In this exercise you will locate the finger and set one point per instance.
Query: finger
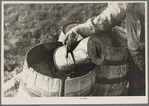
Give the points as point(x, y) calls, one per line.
point(68, 34)
point(65, 40)
point(66, 56)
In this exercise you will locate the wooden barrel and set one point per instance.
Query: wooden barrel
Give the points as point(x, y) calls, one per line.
point(80, 86)
point(36, 84)
point(111, 77)
point(111, 74)
point(40, 77)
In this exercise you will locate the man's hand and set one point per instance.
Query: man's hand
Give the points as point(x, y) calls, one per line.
point(70, 40)
point(84, 30)
point(77, 33)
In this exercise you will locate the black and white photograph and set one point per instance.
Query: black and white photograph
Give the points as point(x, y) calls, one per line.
point(74, 52)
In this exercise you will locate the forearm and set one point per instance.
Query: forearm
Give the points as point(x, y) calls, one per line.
point(110, 17)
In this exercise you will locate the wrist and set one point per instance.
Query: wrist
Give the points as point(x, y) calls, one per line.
point(85, 29)
point(77, 29)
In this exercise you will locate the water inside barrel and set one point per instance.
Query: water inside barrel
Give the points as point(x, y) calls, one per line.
point(40, 58)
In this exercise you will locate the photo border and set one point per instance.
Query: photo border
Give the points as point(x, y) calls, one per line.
point(73, 100)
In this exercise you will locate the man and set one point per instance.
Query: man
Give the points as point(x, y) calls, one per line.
point(111, 16)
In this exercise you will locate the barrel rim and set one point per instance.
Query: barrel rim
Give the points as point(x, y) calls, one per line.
point(29, 68)
point(33, 48)
point(39, 44)
point(90, 72)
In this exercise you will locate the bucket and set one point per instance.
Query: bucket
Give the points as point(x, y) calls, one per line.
point(80, 58)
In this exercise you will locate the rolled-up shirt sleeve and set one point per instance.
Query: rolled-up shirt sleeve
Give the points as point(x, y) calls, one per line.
point(110, 17)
